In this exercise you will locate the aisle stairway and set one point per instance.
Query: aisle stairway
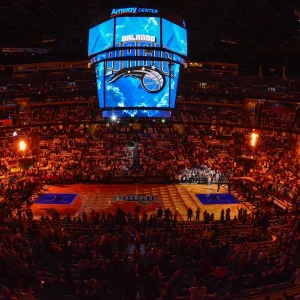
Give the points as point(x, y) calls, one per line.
point(252, 120)
point(136, 157)
point(166, 199)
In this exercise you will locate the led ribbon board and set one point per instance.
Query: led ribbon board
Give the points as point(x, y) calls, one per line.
point(137, 69)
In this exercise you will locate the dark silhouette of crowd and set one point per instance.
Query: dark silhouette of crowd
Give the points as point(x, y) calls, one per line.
point(124, 256)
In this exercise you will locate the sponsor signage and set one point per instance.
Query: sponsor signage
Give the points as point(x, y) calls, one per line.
point(141, 199)
point(132, 10)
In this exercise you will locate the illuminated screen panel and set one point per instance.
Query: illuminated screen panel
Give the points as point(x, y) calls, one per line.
point(139, 83)
point(174, 84)
point(137, 53)
point(99, 71)
point(101, 37)
point(136, 113)
point(131, 31)
point(174, 37)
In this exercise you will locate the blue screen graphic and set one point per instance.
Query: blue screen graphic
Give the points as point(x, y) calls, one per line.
point(136, 52)
point(138, 29)
point(174, 85)
point(140, 83)
point(99, 70)
point(174, 37)
point(147, 113)
point(101, 37)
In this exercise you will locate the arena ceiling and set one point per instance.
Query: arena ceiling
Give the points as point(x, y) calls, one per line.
point(216, 27)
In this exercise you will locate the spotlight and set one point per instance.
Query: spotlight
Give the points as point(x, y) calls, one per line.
point(163, 120)
point(113, 118)
point(22, 146)
point(254, 137)
point(15, 133)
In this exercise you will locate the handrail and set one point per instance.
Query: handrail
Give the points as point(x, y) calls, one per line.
point(263, 295)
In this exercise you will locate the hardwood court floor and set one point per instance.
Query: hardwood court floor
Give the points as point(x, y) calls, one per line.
point(100, 197)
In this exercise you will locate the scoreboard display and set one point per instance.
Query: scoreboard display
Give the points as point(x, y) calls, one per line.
point(174, 37)
point(137, 56)
point(101, 37)
point(136, 30)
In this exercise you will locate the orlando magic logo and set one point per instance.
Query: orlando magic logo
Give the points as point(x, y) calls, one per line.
point(152, 79)
point(150, 73)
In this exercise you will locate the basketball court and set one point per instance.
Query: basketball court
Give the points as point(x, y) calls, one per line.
point(74, 199)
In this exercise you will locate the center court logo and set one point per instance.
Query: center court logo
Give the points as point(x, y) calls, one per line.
point(141, 199)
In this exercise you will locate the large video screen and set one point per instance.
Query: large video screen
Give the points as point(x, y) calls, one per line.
point(140, 83)
point(137, 64)
point(143, 113)
point(99, 71)
point(174, 84)
point(174, 37)
point(130, 53)
point(132, 31)
point(101, 37)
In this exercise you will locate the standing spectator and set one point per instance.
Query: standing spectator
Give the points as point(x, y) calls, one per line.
point(153, 284)
point(228, 215)
point(167, 214)
point(198, 214)
point(222, 217)
point(205, 215)
point(190, 214)
point(159, 213)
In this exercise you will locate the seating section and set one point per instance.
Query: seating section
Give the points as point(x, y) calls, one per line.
point(178, 248)
point(283, 120)
point(95, 255)
point(157, 152)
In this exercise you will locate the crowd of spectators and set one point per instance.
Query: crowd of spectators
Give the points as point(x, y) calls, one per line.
point(228, 90)
point(127, 256)
point(235, 89)
point(278, 120)
point(279, 168)
point(186, 113)
point(123, 256)
point(78, 153)
point(58, 114)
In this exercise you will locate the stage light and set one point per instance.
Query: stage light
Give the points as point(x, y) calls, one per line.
point(113, 118)
point(15, 133)
point(22, 146)
point(163, 120)
point(254, 137)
